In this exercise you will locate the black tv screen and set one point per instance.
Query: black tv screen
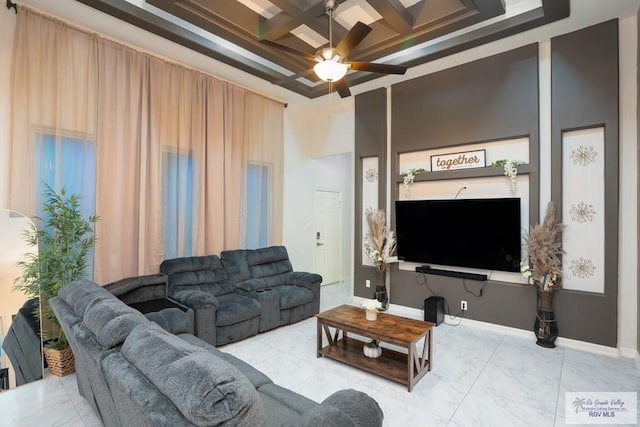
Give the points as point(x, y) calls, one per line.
point(475, 233)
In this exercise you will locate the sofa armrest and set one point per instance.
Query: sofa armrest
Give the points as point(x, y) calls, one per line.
point(345, 408)
point(301, 278)
point(204, 306)
point(251, 285)
point(136, 289)
point(195, 299)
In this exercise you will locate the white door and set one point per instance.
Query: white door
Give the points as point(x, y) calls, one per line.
point(327, 235)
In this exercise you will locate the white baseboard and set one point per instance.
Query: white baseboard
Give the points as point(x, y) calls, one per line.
point(416, 313)
point(631, 353)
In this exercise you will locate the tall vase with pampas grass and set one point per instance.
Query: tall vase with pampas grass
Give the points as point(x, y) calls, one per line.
point(380, 245)
point(544, 245)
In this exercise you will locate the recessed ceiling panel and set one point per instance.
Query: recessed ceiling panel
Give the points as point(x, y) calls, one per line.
point(353, 11)
point(262, 7)
point(302, 26)
point(309, 36)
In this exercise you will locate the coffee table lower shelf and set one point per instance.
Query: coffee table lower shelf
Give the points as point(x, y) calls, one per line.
point(391, 364)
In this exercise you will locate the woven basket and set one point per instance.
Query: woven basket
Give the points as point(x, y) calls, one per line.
point(61, 362)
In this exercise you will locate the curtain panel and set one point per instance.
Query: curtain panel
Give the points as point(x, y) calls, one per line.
point(53, 92)
point(173, 146)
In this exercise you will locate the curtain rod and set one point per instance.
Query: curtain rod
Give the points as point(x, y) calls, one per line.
point(11, 4)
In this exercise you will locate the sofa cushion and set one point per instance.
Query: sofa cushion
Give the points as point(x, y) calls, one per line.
point(234, 308)
point(110, 320)
point(293, 296)
point(269, 262)
point(206, 389)
point(235, 264)
point(203, 273)
point(173, 320)
point(80, 294)
point(256, 377)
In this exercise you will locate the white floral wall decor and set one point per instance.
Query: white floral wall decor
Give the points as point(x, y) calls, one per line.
point(583, 209)
point(370, 185)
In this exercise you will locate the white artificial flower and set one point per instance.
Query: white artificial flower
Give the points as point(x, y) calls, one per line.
point(372, 305)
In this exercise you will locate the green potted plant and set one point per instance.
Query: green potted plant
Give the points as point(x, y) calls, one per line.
point(64, 240)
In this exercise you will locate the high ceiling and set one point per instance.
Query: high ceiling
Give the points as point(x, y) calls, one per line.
point(404, 32)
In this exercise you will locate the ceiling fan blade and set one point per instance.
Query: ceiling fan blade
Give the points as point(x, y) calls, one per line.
point(342, 88)
point(372, 67)
point(287, 49)
point(296, 76)
point(356, 34)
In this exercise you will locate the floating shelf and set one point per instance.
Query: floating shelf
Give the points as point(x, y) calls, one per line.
point(524, 169)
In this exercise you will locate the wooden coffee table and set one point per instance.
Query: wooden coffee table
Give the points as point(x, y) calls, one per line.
point(406, 368)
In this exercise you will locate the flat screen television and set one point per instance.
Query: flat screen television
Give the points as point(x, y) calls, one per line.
point(475, 233)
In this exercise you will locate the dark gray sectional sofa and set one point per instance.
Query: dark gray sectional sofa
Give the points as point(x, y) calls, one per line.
point(133, 372)
point(241, 293)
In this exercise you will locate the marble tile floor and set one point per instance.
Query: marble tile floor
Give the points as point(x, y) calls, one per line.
point(479, 378)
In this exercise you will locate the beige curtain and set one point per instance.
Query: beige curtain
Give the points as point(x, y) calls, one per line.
point(167, 138)
point(128, 175)
point(53, 94)
point(263, 151)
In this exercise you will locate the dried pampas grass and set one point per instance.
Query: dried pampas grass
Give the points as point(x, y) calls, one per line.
point(381, 241)
point(544, 244)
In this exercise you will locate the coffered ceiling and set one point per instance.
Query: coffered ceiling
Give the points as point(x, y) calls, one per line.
point(241, 33)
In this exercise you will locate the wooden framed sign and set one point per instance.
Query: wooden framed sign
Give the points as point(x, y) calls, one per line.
point(463, 160)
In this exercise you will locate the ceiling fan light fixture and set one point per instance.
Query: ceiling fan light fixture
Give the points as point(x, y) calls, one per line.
point(330, 71)
point(327, 54)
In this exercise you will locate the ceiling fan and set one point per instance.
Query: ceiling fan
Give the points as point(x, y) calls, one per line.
point(331, 64)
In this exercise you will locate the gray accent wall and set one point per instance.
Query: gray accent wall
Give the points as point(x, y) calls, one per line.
point(370, 140)
point(584, 94)
point(492, 99)
point(489, 99)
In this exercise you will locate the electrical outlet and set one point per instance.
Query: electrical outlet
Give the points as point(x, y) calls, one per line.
point(463, 305)
point(367, 283)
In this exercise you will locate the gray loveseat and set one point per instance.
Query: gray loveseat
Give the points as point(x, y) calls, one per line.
point(221, 315)
point(244, 293)
point(133, 372)
point(266, 274)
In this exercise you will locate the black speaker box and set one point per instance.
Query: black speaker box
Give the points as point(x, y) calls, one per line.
point(434, 310)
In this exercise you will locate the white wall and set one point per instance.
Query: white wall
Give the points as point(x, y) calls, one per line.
point(316, 132)
point(628, 216)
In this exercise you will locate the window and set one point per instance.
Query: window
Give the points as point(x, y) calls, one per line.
point(256, 234)
point(178, 204)
point(69, 162)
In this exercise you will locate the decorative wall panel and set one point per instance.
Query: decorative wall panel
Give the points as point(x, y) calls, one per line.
point(583, 209)
point(370, 187)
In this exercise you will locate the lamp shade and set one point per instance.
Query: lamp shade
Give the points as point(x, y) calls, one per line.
point(330, 70)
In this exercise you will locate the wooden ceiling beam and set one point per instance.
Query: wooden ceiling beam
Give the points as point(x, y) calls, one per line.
point(307, 17)
point(394, 13)
point(277, 27)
